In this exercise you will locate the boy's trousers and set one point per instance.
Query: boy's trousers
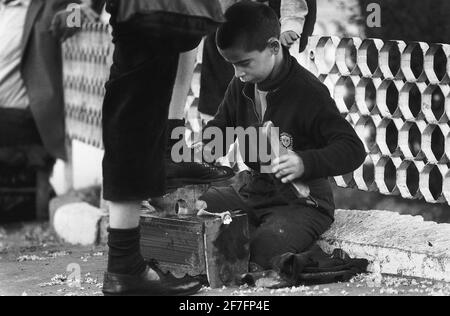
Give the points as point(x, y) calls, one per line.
point(135, 112)
point(279, 223)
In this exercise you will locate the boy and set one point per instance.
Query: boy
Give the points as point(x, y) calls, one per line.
point(297, 18)
point(270, 85)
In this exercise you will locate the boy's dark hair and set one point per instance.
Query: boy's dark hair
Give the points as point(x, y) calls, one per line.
point(249, 25)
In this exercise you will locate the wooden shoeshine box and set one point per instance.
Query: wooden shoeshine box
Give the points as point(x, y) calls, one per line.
point(198, 246)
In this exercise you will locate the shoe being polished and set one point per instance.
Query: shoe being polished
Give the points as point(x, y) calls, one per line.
point(153, 282)
point(185, 173)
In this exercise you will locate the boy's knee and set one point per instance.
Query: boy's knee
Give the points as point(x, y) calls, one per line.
point(271, 241)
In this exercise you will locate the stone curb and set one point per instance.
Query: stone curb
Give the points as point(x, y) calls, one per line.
point(401, 245)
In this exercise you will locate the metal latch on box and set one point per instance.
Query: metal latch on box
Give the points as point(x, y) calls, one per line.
point(200, 210)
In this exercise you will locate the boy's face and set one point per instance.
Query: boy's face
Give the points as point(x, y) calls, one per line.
point(250, 66)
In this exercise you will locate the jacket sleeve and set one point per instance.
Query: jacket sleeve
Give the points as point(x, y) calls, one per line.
point(224, 115)
point(293, 15)
point(340, 152)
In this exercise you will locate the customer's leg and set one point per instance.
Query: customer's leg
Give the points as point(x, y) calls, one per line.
point(124, 239)
point(134, 121)
point(135, 112)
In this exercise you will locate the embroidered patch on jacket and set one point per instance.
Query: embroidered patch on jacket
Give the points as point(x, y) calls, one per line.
point(287, 141)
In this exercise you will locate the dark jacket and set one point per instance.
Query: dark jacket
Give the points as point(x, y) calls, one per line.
point(309, 122)
point(42, 73)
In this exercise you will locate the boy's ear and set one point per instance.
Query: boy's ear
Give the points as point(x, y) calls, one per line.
point(274, 44)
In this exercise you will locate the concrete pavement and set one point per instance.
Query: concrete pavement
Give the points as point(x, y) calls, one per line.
point(34, 262)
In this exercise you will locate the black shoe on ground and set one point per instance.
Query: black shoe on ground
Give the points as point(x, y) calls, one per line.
point(153, 282)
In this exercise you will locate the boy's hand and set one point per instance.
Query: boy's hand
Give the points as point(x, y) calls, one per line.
point(203, 153)
point(288, 167)
point(288, 38)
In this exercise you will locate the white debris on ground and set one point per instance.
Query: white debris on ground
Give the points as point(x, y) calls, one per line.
point(56, 254)
point(392, 285)
point(30, 258)
point(361, 285)
point(92, 281)
point(72, 284)
point(86, 257)
point(49, 255)
point(58, 279)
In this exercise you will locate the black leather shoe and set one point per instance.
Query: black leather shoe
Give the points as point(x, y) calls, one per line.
point(153, 282)
point(185, 173)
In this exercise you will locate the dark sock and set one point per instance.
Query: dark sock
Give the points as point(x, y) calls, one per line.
point(124, 252)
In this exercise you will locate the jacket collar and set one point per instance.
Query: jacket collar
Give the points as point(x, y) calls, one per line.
point(276, 82)
point(249, 88)
point(33, 12)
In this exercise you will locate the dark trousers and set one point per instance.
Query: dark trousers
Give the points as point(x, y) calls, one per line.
point(215, 78)
point(135, 112)
point(18, 128)
point(20, 142)
point(24, 164)
point(278, 222)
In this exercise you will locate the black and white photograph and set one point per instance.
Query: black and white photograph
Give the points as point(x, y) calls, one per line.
point(225, 152)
